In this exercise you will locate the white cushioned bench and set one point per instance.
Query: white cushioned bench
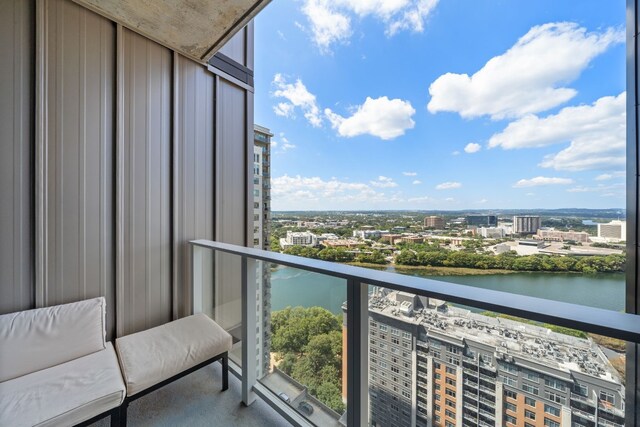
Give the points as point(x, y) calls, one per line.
point(151, 359)
point(56, 368)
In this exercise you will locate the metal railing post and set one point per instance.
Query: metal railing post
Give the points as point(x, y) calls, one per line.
point(357, 353)
point(196, 278)
point(249, 321)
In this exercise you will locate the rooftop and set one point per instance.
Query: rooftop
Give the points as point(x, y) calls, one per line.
point(537, 344)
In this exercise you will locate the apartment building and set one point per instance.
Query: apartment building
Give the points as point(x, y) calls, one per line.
point(526, 224)
point(298, 238)
point(261, 240)
point(433, 365)
point(481, 220)
point(613, 231)
point(433, 221)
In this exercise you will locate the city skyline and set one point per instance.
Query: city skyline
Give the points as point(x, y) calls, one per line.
point(370, 110)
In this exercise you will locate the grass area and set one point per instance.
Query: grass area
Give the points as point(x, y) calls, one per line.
point(435, 271)
point(608, 342)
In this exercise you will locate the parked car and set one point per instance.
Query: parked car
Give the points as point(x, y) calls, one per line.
point(284, 397)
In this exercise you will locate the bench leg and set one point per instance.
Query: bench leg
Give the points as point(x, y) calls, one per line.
point(123, 414)
point(225, 371)
point(115, 417)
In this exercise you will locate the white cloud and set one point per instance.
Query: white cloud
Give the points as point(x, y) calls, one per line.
point(608, 176)
point(282, 145)
point(420, 199)
point(298, 96)
point(613, 190)
point(381, 117)
point(455, 153)
point(482, 201)
point(384, 182)
point(472, 147)
point(528, 78)
point(330, 20)
point(530, 194)
point(416, 182)
point(297, 192)
point(542, 180)
point(450, 199)
point(448, 185)
point(596, 134)
point(409, 173)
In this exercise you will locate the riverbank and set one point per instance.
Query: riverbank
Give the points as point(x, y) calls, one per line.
point(434, 271)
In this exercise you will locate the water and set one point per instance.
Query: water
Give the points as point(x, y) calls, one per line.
point(294, 287)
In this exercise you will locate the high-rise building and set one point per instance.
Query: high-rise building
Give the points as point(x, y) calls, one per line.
point(481, 220)
point(433, 221)
point(613, 231)
point(261, 240)
point(526, 224)
point(434, 365)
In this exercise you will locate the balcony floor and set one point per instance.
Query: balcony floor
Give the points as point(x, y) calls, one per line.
point(196, 400)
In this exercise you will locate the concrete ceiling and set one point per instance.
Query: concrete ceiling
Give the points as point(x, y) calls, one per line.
point(195, 28)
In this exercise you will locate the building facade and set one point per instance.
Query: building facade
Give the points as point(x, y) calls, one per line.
point(526, 224)
point(561, 236)
point(299, 238)
point(614, 231)
point(261, 240)
point(433, 365)
point(481, 220)
point(436, 222)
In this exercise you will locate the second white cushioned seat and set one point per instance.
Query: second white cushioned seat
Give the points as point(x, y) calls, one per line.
point(157, 354)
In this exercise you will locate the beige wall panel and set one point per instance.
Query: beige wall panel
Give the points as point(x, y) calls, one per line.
point(230, 201)
point(193, 172)
point(79, 232)
point(17, 29)
point(145, 282)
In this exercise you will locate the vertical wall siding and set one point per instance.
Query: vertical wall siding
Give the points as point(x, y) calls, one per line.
point(17, 29)
point(231, 187)
point(109, 166)
point(193, 170)
point(146, 196)
point(79, 155)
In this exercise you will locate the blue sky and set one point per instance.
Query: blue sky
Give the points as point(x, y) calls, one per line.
point(426, 104)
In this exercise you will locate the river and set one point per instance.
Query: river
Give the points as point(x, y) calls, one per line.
point(294, 287)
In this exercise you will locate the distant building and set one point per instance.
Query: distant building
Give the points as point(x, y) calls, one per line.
point(367, 234)
point(553, 235)
point(481, 220)
point(411, 239)
point(491, 232)
point(613, 231)
point(340, 243)
point(433, 221)
point(390, 238)
point(526, 224)
point(299, 238)
point(261, 240)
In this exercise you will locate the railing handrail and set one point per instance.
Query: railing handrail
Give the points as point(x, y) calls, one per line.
point(613, 324)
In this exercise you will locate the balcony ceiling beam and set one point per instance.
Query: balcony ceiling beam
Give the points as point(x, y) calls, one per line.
point(196, 29)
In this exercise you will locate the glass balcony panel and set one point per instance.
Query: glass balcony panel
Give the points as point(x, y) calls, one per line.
point(304, 361)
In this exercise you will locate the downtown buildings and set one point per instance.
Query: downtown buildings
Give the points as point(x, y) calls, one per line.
point(526, 224)
point(434, 365)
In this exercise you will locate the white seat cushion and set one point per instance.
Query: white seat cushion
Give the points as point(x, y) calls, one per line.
point(45, 337)
point(65, 394)
point(152, 356)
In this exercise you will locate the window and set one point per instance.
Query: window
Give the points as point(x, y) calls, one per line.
point(395, 340)
point(450, 392)
point(406, 394)
point(607, 397)
point(452, 349)
point(508, 367)
point(529, 414)
point(528, 425)
point(580, 389)
point(531, 376)
point(437, 387)
point(554, 397)
point(450, 381)
point(450, 403)
point(552, 410)
point(437, 376)
point(553, 383)
point(510, 407)
point(508, 380)
point(530, 389)
point(510, 419)
point(449, 414)
point(436, 397)
point(383, 327)
point(406, 335)
point(450, 370)
point(529, 401)
point(511, 394)
point(551, 423)
point(394, 331)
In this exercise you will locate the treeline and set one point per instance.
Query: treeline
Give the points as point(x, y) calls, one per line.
point(337, 254)
point(308, 343)
point(511, 261)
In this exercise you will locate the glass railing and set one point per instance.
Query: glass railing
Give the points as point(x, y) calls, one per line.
point(338, 344)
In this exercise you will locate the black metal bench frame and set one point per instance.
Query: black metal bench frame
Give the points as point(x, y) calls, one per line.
point(119, 414)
